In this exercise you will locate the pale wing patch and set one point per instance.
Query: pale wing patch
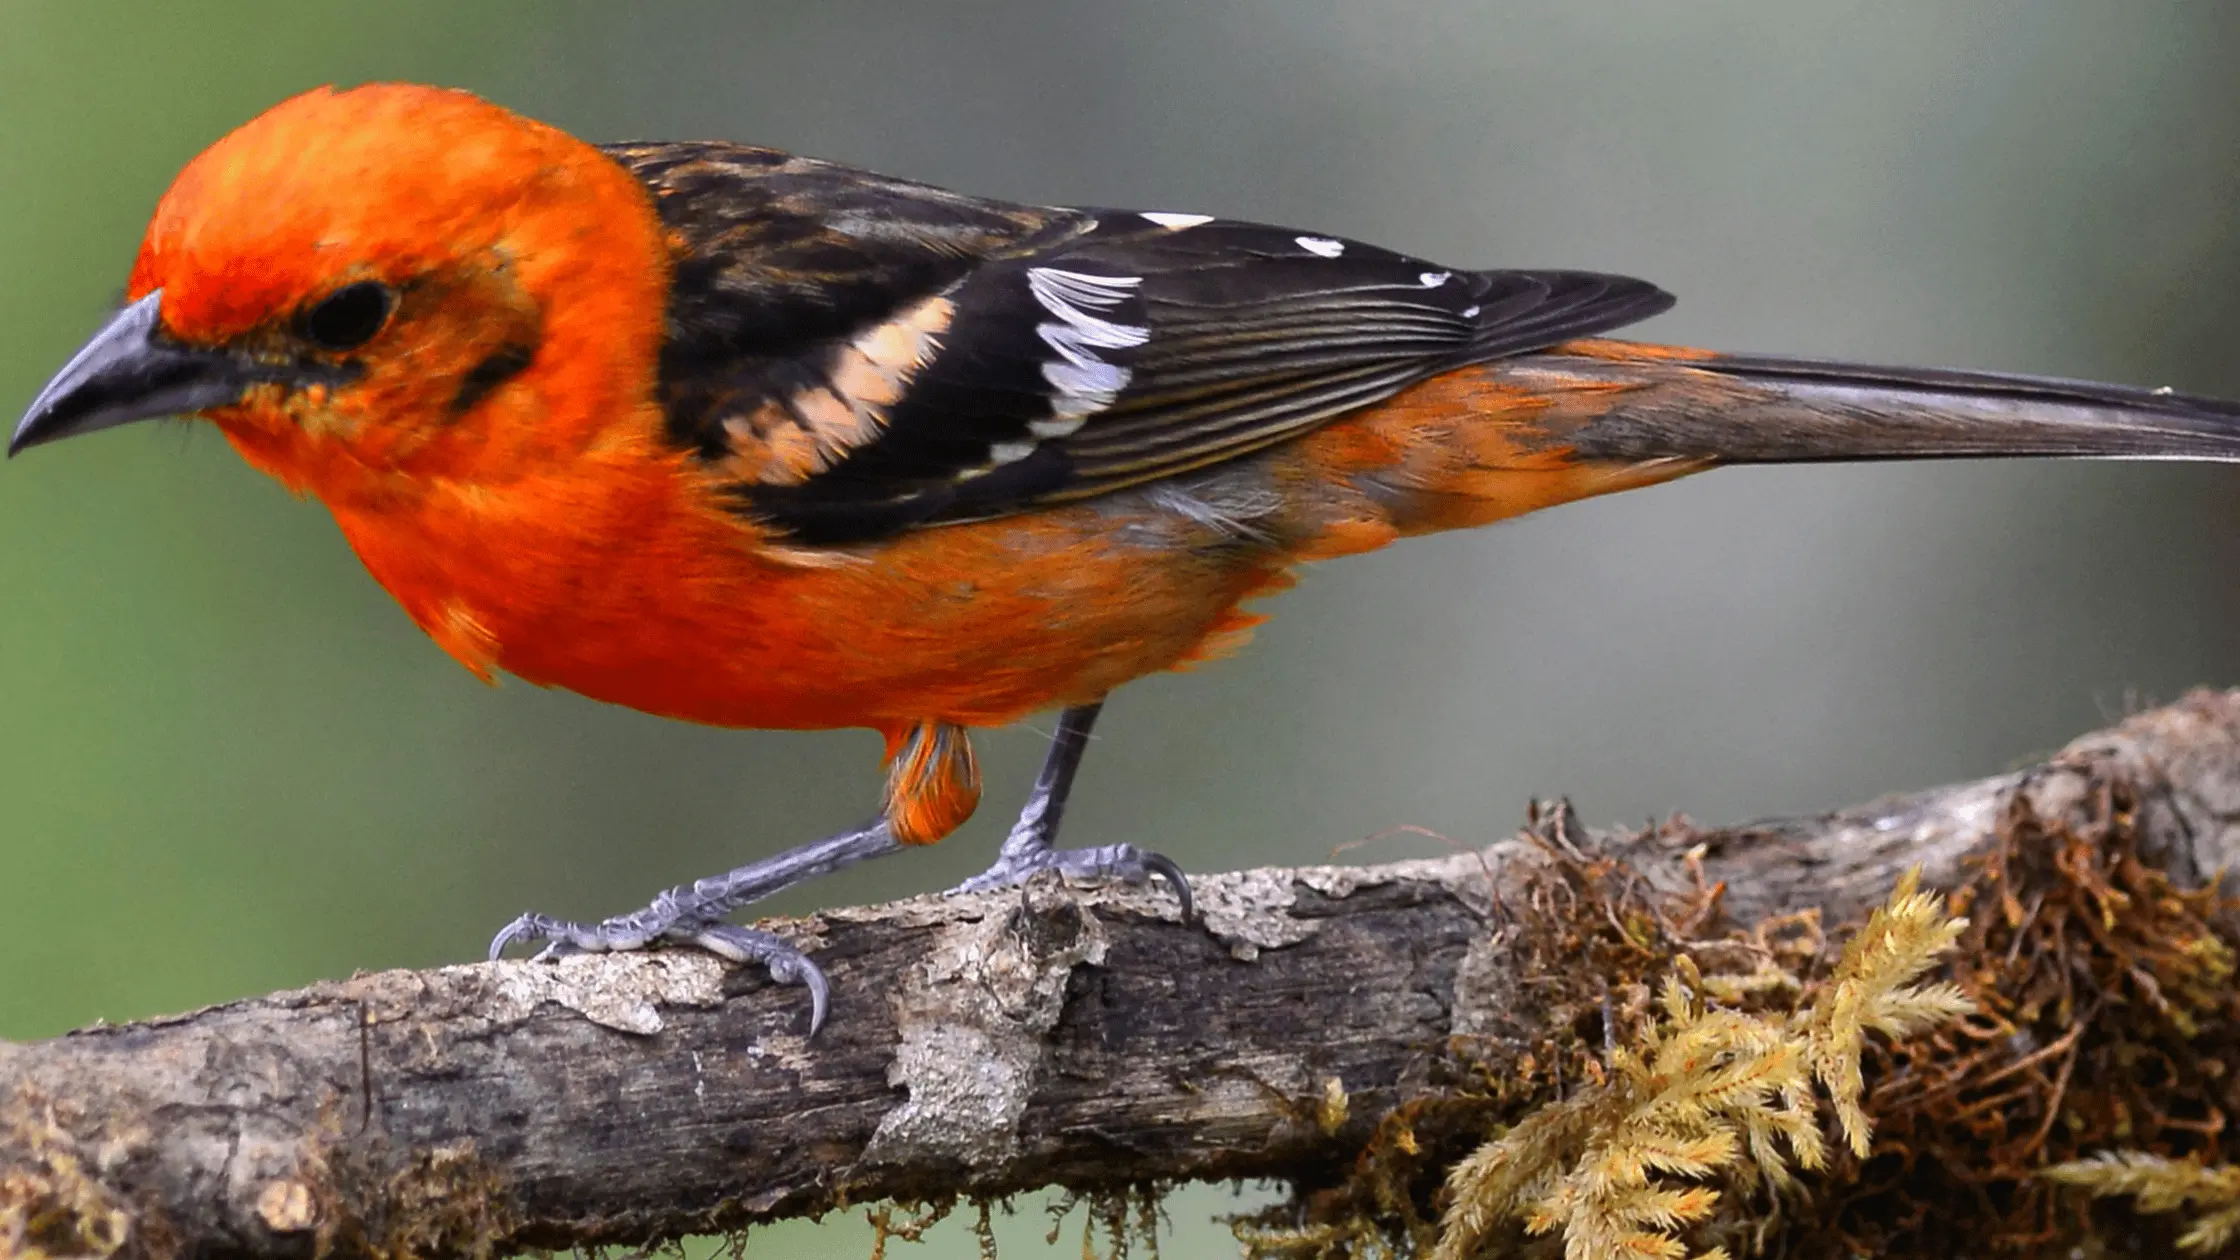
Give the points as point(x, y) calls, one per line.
point(1081, 381)
point(1322, 246)
point(769, 445)
point(792, 438)
point(877, 368)
point(1086, 384)
point(1056, 426)
point(1176, 222)
point(836, 424)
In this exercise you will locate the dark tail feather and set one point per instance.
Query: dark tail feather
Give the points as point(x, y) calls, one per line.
point(1745, 409)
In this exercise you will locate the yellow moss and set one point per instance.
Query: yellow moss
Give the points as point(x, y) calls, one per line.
point(2106, 1016)
point(1624, 1166)
point(2158, 1184)
point(885, 1226)
point(53, 1209)
point(1330, 1114)
point(1128, 1216)
point(1871, 991)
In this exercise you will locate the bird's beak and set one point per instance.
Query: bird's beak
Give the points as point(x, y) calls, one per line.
point(129, 371)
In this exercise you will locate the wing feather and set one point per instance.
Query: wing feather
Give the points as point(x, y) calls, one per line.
point(1023, 355)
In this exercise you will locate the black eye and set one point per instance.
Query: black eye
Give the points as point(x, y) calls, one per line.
point(348, 317)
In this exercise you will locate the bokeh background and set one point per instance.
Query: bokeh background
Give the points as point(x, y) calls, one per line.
point(229, 764)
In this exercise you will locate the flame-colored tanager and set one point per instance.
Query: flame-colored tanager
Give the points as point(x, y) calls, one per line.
point(749, 439)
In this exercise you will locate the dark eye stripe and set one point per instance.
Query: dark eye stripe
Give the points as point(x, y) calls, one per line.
point(502, 365)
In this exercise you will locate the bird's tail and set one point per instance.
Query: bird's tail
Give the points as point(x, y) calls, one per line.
point(1666, 404)
point(1585, 418)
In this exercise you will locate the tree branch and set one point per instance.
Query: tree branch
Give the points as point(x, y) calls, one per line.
point(979, 1044)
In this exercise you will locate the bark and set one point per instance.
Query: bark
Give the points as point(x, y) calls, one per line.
point(979, 1045)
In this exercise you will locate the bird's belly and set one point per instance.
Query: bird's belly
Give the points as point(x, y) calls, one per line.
point(975, 624)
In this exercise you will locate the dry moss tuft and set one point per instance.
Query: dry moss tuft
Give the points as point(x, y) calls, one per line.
point(1873, 990)
point(446, 1201)
point(1115, 1223)
point(1587, 946)
point(2107, 1021)
point(2165, 1185)
point(1706, 1099)
point(1666, 1111)
point(1126, 1218)
point(52, 1208)
point(908, 1222)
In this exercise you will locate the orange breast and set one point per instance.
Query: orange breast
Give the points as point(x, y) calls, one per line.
point(641, 591)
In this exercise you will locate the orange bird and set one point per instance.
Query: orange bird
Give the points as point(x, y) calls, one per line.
point(753, 440)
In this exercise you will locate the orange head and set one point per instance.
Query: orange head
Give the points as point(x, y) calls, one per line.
point(372, 288)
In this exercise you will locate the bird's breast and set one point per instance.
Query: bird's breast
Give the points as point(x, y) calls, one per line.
point(649, 597)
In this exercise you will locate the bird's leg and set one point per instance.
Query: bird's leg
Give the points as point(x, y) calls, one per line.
point(694, 914)
point(1032, 845)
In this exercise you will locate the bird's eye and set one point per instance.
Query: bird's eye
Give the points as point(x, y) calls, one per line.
point(348, 317)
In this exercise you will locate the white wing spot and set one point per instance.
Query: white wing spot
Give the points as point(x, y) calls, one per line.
point(1322, 245)
point(1085, 383)
point(1470, 312)
point(1009, 452)
point(1056, 426)
point(1433, 279)
point(1176, 222)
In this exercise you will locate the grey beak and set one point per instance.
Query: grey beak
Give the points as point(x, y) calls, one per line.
point(128, 372)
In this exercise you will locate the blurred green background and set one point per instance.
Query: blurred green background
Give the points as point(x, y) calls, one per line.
point(228, 764)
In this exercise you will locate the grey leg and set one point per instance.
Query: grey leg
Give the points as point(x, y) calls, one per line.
point(693, 913)
point(1032, 845)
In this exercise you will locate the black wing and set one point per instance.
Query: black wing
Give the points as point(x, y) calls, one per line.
point(778, 258)
point(875, 355)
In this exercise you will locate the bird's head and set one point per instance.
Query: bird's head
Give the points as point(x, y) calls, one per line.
point(371, 288)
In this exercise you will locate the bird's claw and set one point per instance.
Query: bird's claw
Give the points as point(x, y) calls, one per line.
point(1123, 862)
point(1164, 867)
point(785, 963)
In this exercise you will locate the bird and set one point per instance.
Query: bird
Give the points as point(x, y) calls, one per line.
point(750, 439)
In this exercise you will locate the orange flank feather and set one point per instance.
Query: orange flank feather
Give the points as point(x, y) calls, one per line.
point(933, 781)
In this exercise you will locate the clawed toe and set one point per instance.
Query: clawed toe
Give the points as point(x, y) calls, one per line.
point(1031, 848)
point(786, 964)
point(565, 936)
point(1122, 862)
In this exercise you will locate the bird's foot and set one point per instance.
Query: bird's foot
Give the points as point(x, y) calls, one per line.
point(662, 922)
point(694, 915)
point(1024, 857)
